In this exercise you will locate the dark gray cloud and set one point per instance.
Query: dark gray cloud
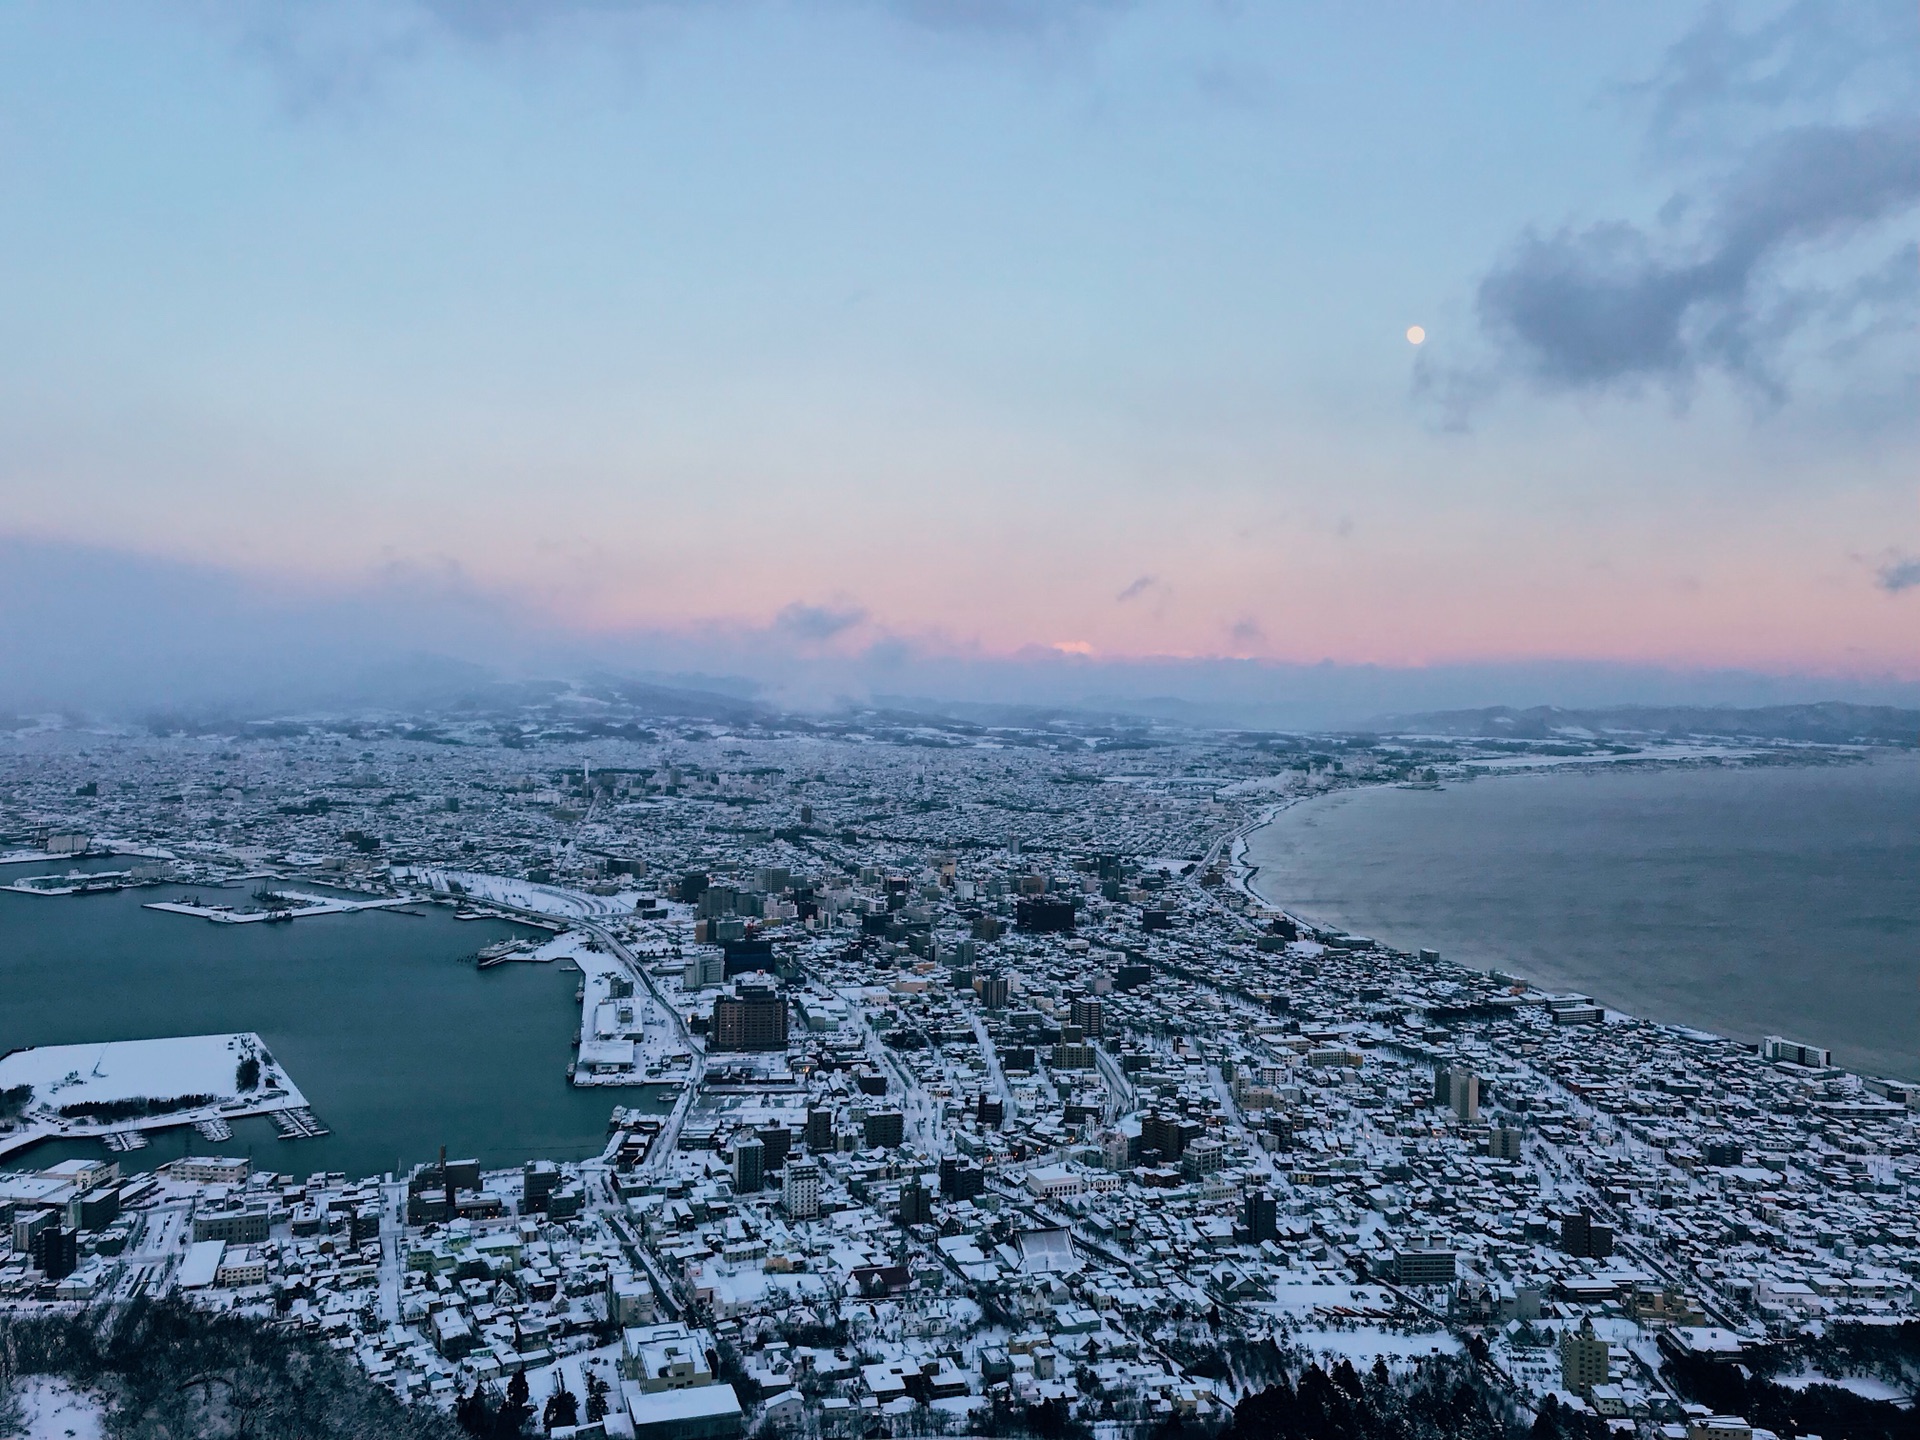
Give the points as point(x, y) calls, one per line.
point(1720, 76)
point(1609, 303)
point(1899, 573)
point(1795, 145)
point(814, 624)
point(1135, 588)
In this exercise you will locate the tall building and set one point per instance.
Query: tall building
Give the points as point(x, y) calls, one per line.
point(55, 1252)
point(1464, 1096)
point(992, 990)
point(886, 1128)
point(1721, 1153)
point(1424, 1265)
point(1202, 1157)
point(29, 1223)
point(537, 1181)
point(777, 1142)
point(1168, 1134)
point(820, 1131)
point(1573, 1233)
point(1503, 1143)
point(800, 1191)
point(749, 1169)
point(1778, 1048)
point(1459, 1091)
point(1262, 1215)
point(1582, 1237)
point(1583, 1359)
point(916, 1204)
point(961, 1179)
point(754, 1017)
point(1085, 1013)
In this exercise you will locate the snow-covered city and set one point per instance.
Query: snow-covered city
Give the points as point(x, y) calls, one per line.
point(958, 1077)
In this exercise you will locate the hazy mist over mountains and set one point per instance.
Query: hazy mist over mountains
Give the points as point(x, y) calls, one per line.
point(100, 632)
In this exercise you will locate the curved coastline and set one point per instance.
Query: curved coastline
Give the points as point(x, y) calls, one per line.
point(1630, 895)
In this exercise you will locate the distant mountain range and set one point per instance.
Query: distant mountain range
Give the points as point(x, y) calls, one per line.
point(1828, 723)
point(605, 704)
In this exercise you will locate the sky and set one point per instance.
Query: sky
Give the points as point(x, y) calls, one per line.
point(817, 339)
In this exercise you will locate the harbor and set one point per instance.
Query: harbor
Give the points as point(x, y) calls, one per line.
point(372, 1011)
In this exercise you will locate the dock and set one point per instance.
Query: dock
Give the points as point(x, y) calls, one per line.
point(306, 905)
point(298, 1124)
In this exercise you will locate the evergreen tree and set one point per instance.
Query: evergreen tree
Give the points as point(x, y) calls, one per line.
point(472, 1414)
point(510, 1421)
point(562, 1409)
point(597, 1398)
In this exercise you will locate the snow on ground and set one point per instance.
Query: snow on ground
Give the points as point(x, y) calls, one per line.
point(1865, 1386)
point(1301, 1295)
point(657, 1039)
point(55, 1410)
point(570, 1373)
point(523, 894)
point(134, 1069)
point(1362, 1347)
point(140, 1069)
point(573, 946)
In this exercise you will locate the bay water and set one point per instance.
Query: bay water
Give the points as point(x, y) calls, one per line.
point(398, 1041)
point(1746, 900)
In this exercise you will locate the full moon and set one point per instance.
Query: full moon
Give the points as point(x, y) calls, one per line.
point(1415, 335)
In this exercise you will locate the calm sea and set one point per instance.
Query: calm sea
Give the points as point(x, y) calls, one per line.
point(1748, 901)
point(399, 1046)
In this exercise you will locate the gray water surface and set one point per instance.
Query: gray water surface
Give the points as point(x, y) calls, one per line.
point(395, 1038)
point(1748, 901)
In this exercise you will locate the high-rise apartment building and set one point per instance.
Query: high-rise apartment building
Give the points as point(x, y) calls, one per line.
point(800, 1191)
point(754, 1017)
point(749, 1166)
